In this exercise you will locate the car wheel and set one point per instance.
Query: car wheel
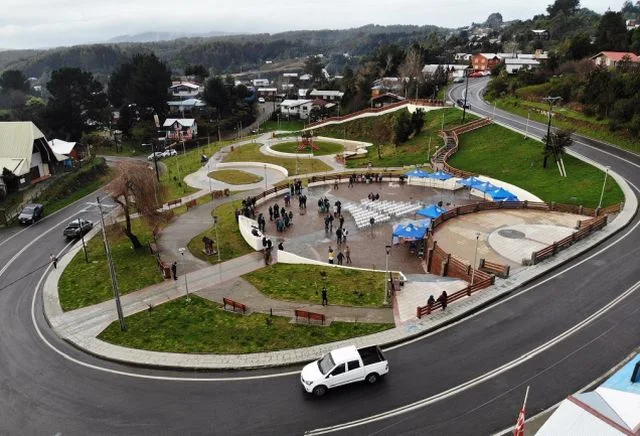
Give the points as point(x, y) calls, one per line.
point(372, 378)
point(319, 391)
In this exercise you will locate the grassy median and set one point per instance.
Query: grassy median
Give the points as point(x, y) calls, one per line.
point(251, 153)
point(201, 326)
point(505, 155)
point(84, 284)
point(303, 283)
point(324, 148)
point(235, 177)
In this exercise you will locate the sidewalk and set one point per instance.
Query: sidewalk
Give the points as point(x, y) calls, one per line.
point(81, 326)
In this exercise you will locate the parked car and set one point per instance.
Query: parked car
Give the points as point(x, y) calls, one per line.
point(458, 80)
point(169, 152)
point(31, 213)
point(343, 366)
point(156, 155)
point(460, 102)
point(77, 228)
point(261, 100)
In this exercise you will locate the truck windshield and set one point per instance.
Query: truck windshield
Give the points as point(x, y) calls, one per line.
point(326, 364)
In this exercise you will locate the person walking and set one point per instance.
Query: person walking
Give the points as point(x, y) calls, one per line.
point(174, 270)
point(270, 213)
point(339, 236)
point(443, 298)
point(347, 254)
point(340, 257)
point(330, 256)
point(330, 223)
point(54, 260)
point(325, 300)
point(341, 221)
point(345, 232)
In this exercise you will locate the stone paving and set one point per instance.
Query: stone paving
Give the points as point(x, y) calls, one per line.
point(81, 326)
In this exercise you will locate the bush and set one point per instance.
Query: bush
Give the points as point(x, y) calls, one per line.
point(72, 182)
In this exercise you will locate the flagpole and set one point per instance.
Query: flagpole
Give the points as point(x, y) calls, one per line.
point(520, 423)
point(526, 394)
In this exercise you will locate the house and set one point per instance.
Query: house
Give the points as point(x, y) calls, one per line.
point(542, 34)
point(611, 59)
point(180, 128)
point(453, 70)
point(303, 92)
point(484, 61)
point(328, 94)
point(611, 409)
point(306, 77)
point(260, 83)
point(386, 84)
point(290, 75)
point(296, 108)
point(632, 24)
point(184, 90)
point(190, 105)
point(267, 92)
point(514, 65)
point(66, 152)
point(25, 152)
point(462, 57)
point(385, 99)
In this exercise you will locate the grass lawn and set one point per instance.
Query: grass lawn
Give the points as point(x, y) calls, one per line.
point(86, 189)
point(303, 283)
point(84, 284)
point(201, 326)
point(232, 244)
point(251, 153)
point(570, 119)
point(501, 153)
point(290, 126)
point(324, 148)
point(182, 164)
point(234, 177)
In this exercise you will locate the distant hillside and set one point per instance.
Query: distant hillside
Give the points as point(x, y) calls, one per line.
point(161, 36)
point(224, 54)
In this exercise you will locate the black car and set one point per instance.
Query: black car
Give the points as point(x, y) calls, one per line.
point(77, 228)
point(460, 102)
point(31, 213)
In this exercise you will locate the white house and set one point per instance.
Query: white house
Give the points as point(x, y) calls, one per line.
point(452, 70)
point(328, 94)
point(296, 108)
point(180, 128)
point(186, 105)
point(306, 77)
point(290, 75)
point(184, 90)
point(514, 65)
point(462, 57)
point(260, 83)
point(25, 152)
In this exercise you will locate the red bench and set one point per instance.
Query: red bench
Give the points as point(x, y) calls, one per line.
point(192, 203)
point(234, 304)
point(174, 202)
point(310, 316)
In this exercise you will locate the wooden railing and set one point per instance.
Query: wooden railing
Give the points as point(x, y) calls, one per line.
point(494, 268)
point(466, 292)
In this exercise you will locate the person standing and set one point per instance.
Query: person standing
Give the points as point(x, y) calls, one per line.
point(443, 298)
point(341, 221)
point(174, 270)
point(54, 260)
point(430, 302)
point(325, 301)
point(330, 256)
point(347, 254)
point(345, 232)
point(340, 257)
point(339, 236)
point(270, 213)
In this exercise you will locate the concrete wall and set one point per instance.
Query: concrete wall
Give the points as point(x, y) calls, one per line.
point(245, 224)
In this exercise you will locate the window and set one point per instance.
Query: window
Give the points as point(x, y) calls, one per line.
point(354, 364)
point(338, 370)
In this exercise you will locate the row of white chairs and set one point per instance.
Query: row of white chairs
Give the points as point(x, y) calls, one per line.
point(391, 207)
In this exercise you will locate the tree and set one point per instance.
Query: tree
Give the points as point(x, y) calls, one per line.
point(11, 181)
point(199, 71)
point(560, 140)
point(217, 95)
point(494, 21)
point(77, 103)
point(579, 47)
point(567, 7)
point(13, 80)
point(401, 127)
point(144, 81)
point(612, 32)
point(417, 121)
point(410, 70)
point(313, 65)
point(135, 188)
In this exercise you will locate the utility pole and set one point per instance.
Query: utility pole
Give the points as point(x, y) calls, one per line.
point(466, 90)
point(547, 146)
point(84, 247)
point(112, 271)
point(155, 160)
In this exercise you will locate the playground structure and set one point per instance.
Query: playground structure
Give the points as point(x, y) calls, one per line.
point(306, 143)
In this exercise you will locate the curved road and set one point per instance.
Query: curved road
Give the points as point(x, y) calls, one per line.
point(48, 387)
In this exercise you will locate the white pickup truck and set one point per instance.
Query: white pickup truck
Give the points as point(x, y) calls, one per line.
point(343, 366)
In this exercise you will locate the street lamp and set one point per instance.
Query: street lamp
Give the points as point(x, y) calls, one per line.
point(466, 91)
point(475, 256)
point(215, 225)
point(181, 250)
point(386, 275)
point(547, 146)
point(265, 177)
point(607, 168)
point(84, 247)
point(526, 129)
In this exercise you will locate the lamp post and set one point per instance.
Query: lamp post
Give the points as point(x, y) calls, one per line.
point(547, 146)
point(475, 256)
point(607, 168)
point(215, 225)
point(84, 247)
point(265, 177)
point(181, 250)
point(466, 91)
point(386, 275)
point(526, 129)
point(208, 176)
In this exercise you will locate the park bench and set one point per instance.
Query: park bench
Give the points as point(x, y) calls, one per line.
point(234, 304)
point(192, 203)
point(309, 316)
point(174, 202)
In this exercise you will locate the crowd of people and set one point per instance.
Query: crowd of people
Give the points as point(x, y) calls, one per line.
point(282, 218)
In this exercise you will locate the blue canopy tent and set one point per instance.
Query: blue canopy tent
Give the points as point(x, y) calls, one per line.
point(418, 173)
point(440, 175)
point(470, 181)
point(484, 187)
point(432, 211)
point(501, 194)
point(412, 231)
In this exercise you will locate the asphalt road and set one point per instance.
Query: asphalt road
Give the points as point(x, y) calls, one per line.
point(49, 387)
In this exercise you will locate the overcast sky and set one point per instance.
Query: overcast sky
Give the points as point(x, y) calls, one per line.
point(49, 23)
